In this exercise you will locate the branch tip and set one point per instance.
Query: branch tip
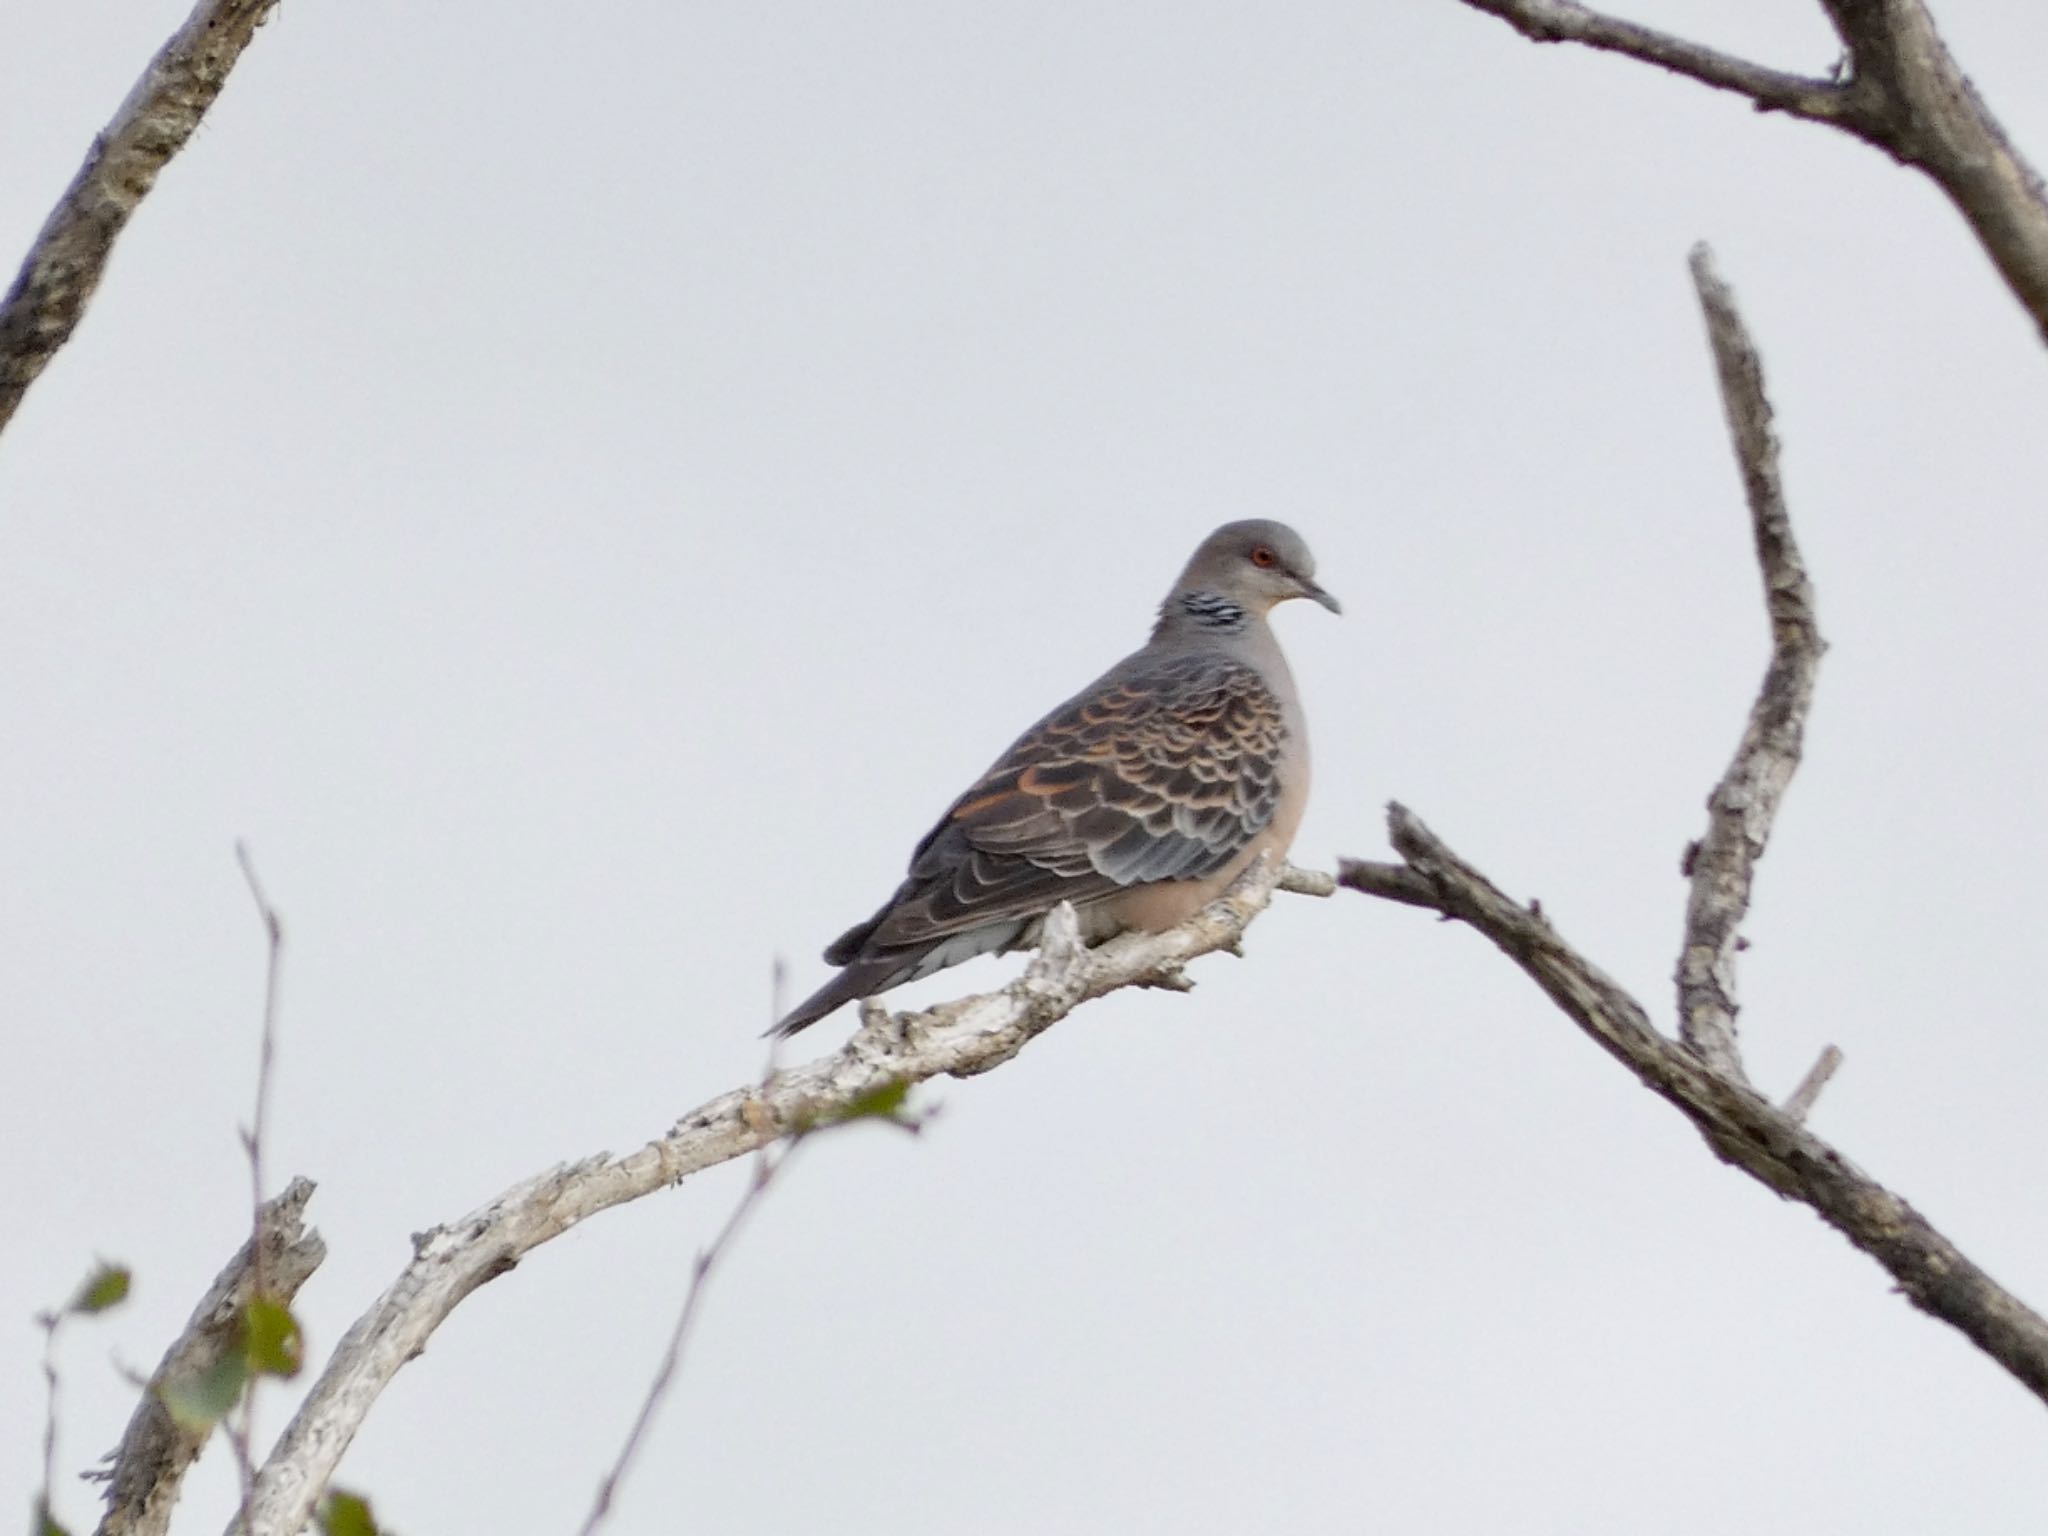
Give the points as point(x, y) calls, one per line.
point(1801, 1101)
point(1769, 90)
point(1743, 806)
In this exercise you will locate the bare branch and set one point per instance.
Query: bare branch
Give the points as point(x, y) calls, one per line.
point(1931, 117)
point(1803, 1098)
point(66, 262)
point(1389, 882)
point(1902, 91)
point(1741, 1126)
point(154, 1453)
point(959, 1039)
point(1744, 804)
point(1773, 90)
point(1701, 1076)
point(1306, 882)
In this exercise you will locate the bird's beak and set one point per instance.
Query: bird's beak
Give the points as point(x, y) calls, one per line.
point(1314, 593)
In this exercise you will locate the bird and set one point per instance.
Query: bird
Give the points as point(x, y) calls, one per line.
point(1138, 800)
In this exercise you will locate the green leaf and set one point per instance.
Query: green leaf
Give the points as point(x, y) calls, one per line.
point(106, 1286)
point(197, 1401)
point(275, 1346)
point(881, 1103)
point(46, 1523)
point(346, 1514)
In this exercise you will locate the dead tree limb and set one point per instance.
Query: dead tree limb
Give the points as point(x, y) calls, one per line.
point(1743, 1127)
point(155, 1450)
point(1701, 1072)
point(69, 257)
point(1898, 88)
point(1744, 804)
point(1817, 99)
point(958, 1039)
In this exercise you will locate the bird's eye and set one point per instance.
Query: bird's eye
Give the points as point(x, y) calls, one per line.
point(1263, 556)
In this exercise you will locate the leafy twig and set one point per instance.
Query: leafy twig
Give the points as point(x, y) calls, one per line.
point(107, 1286)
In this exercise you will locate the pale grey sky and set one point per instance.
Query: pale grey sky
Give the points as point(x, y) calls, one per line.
point(578, 491)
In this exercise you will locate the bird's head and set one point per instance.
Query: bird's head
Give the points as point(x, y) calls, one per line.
point(1253, 564)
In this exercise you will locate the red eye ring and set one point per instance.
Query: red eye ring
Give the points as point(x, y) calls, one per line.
point(1263, 557)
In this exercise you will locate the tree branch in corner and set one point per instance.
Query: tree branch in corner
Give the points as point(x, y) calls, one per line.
point(1899, 89)
point(69, 257)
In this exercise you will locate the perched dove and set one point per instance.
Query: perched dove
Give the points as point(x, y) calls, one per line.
point(1138, 800)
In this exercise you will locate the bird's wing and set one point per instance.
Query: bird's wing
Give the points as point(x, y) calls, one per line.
point(1162, 771)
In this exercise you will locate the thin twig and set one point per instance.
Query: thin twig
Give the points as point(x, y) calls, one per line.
point(1772, 90)
point(241, 1426)
point(959, 1039)
point(1800, 1104)
point(767, 1163)
point(69, 257)
point(49, 1322)
point(1901, 91)
point(1744, 804)
point(252, 1139)
point(106, 1286)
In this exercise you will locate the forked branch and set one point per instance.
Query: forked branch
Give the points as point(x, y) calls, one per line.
point(1743, 1128)
point(1773, 90)
point(1700, 1073)
point(1897, 87)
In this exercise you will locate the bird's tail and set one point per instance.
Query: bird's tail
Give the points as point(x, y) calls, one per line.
point(865, 975)
point(863, 978)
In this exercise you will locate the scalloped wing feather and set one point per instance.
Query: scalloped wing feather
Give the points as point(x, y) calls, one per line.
point(1162, 772)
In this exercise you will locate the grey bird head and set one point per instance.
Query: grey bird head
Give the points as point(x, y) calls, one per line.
point(1248, 566)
